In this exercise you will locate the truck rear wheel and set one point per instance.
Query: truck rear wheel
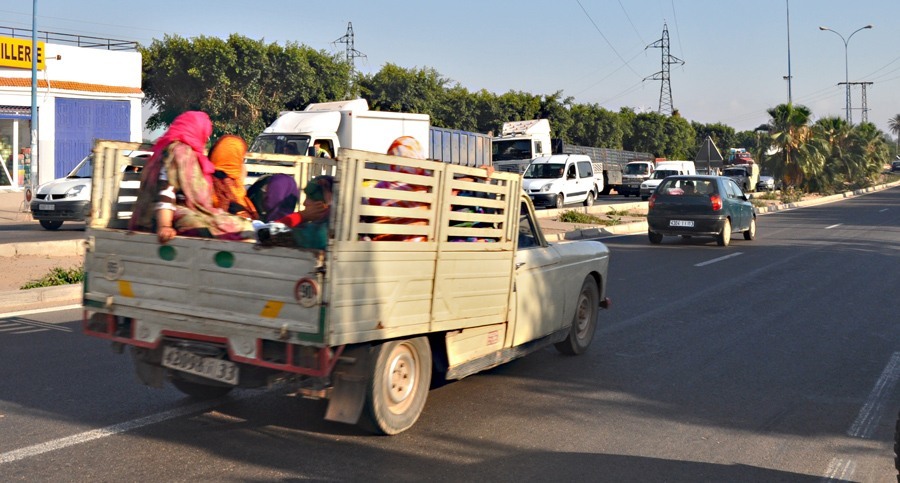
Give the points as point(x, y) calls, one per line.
point(589, 201)
point(198, 390)
point(584, 322)
point(398, 386)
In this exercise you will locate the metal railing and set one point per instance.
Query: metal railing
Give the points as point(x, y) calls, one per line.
point(71, 39)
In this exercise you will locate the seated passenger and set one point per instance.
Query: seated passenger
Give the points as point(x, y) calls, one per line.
point(307, 228)
point(229, 194)
point(175, 196)
point(274, 196)
point(408, 147)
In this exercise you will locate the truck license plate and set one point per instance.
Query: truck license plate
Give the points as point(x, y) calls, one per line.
point(208, 367)
point(45, 207)
point(686, 223)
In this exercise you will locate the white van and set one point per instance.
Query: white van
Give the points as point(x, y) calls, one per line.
point(560, 179)
point(663, 170)
point(69, 198)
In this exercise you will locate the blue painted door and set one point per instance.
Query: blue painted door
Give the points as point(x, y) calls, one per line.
point(79, 122)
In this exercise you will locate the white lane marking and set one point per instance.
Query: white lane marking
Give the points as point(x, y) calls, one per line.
point(38, 449)
point(839, 470)
point(833, 226)
point(716, 260)
point(883, 210)
point(40, 311)
point(864, 425)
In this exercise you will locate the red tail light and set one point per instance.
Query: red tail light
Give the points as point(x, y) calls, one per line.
point(651, 201)
point(716, 202)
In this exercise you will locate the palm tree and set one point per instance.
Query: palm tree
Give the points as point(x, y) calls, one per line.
point(838, 164)
point(800, 155)
point(894, 125)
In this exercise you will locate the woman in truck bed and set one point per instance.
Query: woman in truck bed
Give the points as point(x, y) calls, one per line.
point(176, 187)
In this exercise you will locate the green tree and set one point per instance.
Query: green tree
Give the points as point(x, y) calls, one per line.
point(593, 125)
point(798, 155)
point(724, 136)
point(648, 134)
point(680, 141)
point(396, 89)
point(894, 126)
point(240, 82)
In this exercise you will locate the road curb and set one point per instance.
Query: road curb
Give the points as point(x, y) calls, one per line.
point(34, 298)
point(56, 248)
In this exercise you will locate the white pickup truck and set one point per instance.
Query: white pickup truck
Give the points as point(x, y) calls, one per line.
point(362, 323)
point(557, 180)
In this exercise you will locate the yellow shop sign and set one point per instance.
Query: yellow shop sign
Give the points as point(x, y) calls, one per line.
point(16, 53)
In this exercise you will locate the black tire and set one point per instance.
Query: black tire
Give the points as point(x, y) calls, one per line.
point(197, 390)
point(560, 202)
point(724, 238)
point(398, 386)
point(51, 225)
point(584, 322)
point(589, 201)
point(655, 238)
point(750, 233)
point(897, 447)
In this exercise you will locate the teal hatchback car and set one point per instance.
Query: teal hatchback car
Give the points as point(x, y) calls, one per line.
point(700, 206)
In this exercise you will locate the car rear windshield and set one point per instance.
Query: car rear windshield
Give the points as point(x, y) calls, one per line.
point(687, 187)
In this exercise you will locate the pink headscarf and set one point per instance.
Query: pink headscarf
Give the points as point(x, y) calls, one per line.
point(192, 128)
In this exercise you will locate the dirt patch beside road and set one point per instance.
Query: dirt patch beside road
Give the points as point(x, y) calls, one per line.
point(19, 270)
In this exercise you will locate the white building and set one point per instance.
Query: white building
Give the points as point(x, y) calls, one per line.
point(87, 88)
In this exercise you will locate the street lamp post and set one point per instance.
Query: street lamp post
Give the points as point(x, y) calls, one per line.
point(846, 64)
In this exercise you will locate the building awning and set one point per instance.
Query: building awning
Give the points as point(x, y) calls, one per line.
point(15, 112)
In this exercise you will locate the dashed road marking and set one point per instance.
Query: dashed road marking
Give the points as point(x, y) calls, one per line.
point(716, 260)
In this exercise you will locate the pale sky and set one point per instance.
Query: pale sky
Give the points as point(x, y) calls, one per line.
point(735, 51)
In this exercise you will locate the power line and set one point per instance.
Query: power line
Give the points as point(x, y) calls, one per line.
point(586, 14)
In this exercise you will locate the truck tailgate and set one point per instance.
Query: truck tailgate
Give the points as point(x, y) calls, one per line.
point(229, 285)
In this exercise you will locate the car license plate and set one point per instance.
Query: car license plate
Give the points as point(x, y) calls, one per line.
point(685, 223)
point(208, 367)
point(45, 207)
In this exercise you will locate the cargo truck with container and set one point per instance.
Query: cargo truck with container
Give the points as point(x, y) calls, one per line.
point(352, 125)
point(366, 324)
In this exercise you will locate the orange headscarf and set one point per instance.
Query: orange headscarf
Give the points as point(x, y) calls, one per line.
point(227, 155)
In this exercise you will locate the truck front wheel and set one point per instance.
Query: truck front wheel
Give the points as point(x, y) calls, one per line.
point(560, 202)
point(584, 322)
point(398, 386)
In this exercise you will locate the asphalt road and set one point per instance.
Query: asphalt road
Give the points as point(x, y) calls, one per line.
point(769, 360)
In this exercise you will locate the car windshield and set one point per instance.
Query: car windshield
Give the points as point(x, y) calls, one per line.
point(511, 149)
point(734, 172)
point(544, 171)
point(638, 169)
point(664, 173)
point(84, 169)
point(280, 144)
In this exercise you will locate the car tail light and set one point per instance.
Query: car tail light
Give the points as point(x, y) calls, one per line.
point(651, 201)
point(716, 202)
